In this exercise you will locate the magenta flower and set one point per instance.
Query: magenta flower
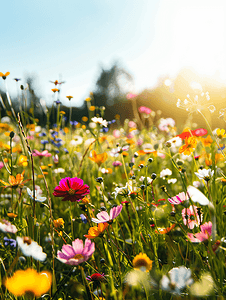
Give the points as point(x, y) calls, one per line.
point(72, 189)
point(191, 217)
point(41, 154)
point(178, 199)
point(130, 96)
point(116, 163)
point(206, 231)
point(76, 254)
point(104, 217)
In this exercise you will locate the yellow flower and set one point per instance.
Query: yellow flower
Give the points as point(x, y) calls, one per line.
point(4, 75)
point(98, 158)
point(85, 200)
point(59, 223)
point(96, 231)
point(190, 144)
point(220, 133)
point(142, 262)
point(23, 161)
point(83, 126)
point(55, 90)
point(88, 99)
point(11, 215)
point(62, 112)
point(92, 108)
point(117, 117)
point(69, 97)
point(207, 141)
point(29, 282)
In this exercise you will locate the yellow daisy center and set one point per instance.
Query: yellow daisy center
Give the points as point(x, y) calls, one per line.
point(71, 192)
point(78, 256)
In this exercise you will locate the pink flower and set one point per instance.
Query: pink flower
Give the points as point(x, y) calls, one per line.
point(1, 165)
point(130, 96)
point(116, 133)
point(206, 231)
point(76, 254)
point(41, 154)
point(190, 218)
point(116, 163)
point(104, 217)
point(71, 189)
point(178, 199)
point(145, 110)
point(132, 124)
point(7, 227)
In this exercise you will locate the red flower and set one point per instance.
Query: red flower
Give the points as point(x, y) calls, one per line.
point(96, 277)
point(71, 189)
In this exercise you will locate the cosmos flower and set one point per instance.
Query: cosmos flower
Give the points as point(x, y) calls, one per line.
point(191, 217)
point(15, 182)
point(204, 174)
point(72, 189)
point(98, 158)
point(104, 217)
point(178, 199)
point(37, 197)
point(177, 280)
point(30, 248)
point(190, 144)
point(97, 277)
point(145, 110)
point(7, 227)
point(41, 154)
point(29, 281)
point(206, 231)
point(197, 196)
point(96, 231)
point(164, 173)
point(142, 262)
point(76, 254)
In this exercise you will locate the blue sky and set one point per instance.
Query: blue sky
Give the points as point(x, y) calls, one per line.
point(73, 39)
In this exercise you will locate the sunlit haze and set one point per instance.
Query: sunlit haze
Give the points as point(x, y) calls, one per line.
point(72, 40)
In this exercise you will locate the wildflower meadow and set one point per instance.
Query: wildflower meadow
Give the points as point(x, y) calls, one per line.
point(103, 209)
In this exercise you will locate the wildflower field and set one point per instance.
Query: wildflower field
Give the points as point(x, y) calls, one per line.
point(109, 210)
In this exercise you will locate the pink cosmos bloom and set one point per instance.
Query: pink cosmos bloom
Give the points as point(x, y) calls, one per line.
point(130, 96)
point(7, 227)
point(132, 124)
point(71, 189)
point(145, 110)
point(116, 133)
point(191, 218)
point(76, 254)
point(104, 217)
point(178, 199)
point(41, 154)
point(116, 163)
point(1, 165)
point(206, 231)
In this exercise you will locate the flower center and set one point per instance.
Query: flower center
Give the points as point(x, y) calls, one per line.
point(27, 240)
point(78, 256)
point(71, 191)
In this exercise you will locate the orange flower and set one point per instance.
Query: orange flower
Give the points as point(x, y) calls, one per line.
point(4, 75)
point(165, 230)
point(98, 158)
point(59, 223)
point(11, 215)
point(69, 97)
point(15, 182)
point(92, 108)
point(96, 231)
point(147, 151)
point(190, 144)
point(124, 153)
point(207, 141)
point(55, 90)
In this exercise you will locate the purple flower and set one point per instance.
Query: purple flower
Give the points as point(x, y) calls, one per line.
point(116, 163)
point(10, 242)
point(104, 217)
point(76, 254)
